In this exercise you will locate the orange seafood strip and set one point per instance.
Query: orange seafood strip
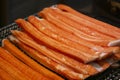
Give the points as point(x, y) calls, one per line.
point(27, 71)
point(99, 25)
point(67, 60)
point(117, 55)
point(104, 64)
point(41, 27)
point(50, 17)
point(5, 76)
point(67, 35)
point(53, 43)
point(59, 14)
point(57, 56)
point(101, 66)
point(75, 65)
point(28, 61)
point(103, 52)
point(45, 11)
point(13, 71)
point(51, 64)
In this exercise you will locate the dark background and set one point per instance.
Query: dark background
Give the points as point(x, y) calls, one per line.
point(13, 9)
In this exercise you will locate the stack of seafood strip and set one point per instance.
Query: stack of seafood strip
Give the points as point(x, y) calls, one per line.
point(65, 41)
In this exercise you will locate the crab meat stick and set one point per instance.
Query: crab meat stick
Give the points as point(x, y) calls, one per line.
point(66, 36)
point(68, 60)
point(60, 69)
point(49, 63)
point(91, 25)
point(21, 66)
point(117, 55)
point(13, 71)
point(102, 43)
point(56, 55)
point(41, 27)
point(20, 55)
point(5, 76)
point(50, 17)
point(102, 65)
point(58, 13)
point(98, 66)
point(53, 43)
point(103, 25)
point(82, 68)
